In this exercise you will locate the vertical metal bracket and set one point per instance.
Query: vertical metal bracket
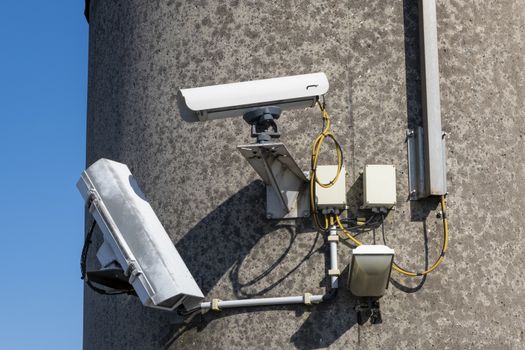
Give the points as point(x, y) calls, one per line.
point(434, 176)
point(286, 184)
point(418, 182)
point(416, 163)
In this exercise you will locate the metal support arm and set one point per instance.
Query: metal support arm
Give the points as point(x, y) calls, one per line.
point(286, 184)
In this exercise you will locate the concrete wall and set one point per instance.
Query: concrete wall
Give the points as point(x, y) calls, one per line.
point(212, 203)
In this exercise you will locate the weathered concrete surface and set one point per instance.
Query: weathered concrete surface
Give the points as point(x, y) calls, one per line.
point(209, 199)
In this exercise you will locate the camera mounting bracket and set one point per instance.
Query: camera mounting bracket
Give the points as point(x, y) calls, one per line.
point(286, 184)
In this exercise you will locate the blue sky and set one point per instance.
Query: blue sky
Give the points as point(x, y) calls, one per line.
point(43, 86)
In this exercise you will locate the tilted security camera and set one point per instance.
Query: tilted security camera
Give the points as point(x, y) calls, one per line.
point(137, 254)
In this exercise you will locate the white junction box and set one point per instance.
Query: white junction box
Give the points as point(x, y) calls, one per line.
point(333, 197)
point(379, 186)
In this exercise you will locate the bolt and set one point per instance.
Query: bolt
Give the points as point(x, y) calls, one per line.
point(269, 216)
point(410, 133)
point(306, 214)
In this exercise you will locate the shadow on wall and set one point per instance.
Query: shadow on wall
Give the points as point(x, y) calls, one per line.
point(315, 332)
point(242, 289)
point(412, 63)
point(226, 235)
point(224, 238)
point(220, 243)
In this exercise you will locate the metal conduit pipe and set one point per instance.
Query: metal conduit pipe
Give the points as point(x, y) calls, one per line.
point(307, 298)
point(334, 279)
point(230, 304)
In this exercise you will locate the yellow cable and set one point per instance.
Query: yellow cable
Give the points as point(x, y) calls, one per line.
point(443, 249)
point(397, 267)
point(316, 147)
point(348, 234)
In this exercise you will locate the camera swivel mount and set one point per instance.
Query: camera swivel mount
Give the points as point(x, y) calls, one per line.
point(263, 123)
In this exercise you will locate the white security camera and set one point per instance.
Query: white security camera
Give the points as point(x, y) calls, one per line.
point(236, 99)
point(134, 239)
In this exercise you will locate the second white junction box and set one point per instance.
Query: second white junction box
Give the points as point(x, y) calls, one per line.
point(379, 186)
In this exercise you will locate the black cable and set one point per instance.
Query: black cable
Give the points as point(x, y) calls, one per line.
point(308, 255)
point(191, 311)
point(85, 249)
point(369, 225)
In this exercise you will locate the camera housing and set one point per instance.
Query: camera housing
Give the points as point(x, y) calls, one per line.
point(236, 99)
point(134, 238)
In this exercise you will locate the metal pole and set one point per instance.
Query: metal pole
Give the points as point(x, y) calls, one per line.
point(435, 179)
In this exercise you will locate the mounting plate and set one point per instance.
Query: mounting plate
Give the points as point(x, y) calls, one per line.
point(286, 184)
point(416, 163)
point(419, 175)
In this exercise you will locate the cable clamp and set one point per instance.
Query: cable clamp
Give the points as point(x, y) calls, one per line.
point(333, 238)
point(307, 298)
point(334, 272)
point(215, 304)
